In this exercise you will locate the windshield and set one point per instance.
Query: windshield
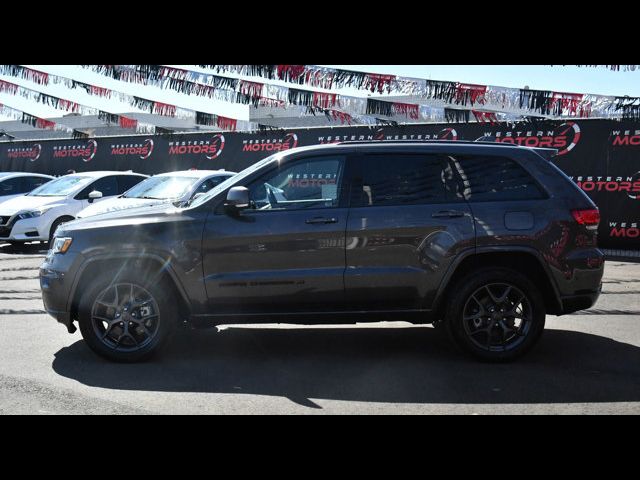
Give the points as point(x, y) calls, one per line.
point(232, 180)
point(60, 187)
point(161, 188)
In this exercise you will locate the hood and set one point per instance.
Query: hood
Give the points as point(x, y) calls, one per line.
point(126, 216)
point(117, 204)
point(26, 203)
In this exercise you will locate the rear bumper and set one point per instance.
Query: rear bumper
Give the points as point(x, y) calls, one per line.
point(574, 303)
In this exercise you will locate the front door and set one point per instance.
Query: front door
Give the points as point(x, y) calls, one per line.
point(286, 253)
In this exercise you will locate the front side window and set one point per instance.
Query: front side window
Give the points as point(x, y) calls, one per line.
point(399, 179)
point(309, 183)
point(108, 186)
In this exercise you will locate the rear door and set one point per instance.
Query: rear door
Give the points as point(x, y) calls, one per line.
point(406, 224)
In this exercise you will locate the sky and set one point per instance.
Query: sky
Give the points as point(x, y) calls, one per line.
point(572, 79)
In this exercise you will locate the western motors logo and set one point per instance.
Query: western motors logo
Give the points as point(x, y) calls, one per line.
point(84, 152)
point(629, 185)
point(624, 230)
point(447, 134)
point(143, 150)
point(31, 153)
point(289, 141)
point(564, 137)
point(625, 138)
point(210, 148)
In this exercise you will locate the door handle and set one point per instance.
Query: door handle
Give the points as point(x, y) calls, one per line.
point(448, 214)
point(321, 220)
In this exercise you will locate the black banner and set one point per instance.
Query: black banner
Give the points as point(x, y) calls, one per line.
point(601, 156)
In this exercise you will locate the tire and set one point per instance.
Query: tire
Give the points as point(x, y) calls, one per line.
point(115, 339)
point(487, 318)
point(56, 224)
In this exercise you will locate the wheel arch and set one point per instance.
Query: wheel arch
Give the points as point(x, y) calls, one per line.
point(525, 258)
point(113, 262)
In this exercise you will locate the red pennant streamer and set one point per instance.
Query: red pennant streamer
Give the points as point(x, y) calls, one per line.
point(378, 83)
point(568, 101)
point(43, 123)
point(324, 100)
point(342, 116)
point(36, 76)
point(226, 123)
point(484, 117)
point(407, 109)
point(476, 92)
point(99, 91)
point(290, 73)
point(8, 87)
point(68, 105)
point(253, 89)
point(128, 122)
point(164, 109)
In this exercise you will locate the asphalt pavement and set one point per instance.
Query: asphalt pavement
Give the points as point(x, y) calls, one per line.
point(585, 363)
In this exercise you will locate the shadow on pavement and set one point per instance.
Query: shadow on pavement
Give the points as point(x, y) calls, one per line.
point(398, 365)
point(39, 248)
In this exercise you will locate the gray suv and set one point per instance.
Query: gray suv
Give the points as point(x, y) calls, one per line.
point(480, 239)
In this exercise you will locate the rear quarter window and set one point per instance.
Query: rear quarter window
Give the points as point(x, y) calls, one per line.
point(487, 178)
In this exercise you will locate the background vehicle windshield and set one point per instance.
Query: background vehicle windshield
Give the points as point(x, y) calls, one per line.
point(233, 180)
point(60, 187)
point(161, 187)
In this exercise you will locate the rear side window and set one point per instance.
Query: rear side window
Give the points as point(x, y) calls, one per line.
point(493, 179)
point(12, 186)
point(399, 179)
point(31, 183)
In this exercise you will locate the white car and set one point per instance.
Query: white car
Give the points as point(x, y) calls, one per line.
point(36, 216)
point(16, 184)
point(167, 187)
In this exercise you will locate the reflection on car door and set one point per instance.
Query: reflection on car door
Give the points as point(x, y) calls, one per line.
point(287, 254)
point(406, 224)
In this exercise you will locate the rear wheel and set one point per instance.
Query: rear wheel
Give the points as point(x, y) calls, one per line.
point(124, 318)
point(495, 314)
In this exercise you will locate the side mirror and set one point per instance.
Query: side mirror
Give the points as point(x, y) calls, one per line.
point(198, 195)
point(94, 196)
point(237, 199)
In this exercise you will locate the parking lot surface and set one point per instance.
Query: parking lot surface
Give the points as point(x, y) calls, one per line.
point(587, 362)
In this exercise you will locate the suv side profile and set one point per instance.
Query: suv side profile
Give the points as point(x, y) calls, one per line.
point(482, 239)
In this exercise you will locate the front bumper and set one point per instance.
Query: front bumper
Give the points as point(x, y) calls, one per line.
point(56, 281)
point(29, 229)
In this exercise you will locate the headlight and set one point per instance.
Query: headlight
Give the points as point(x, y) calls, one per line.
point(61, 244)
point(33, 213)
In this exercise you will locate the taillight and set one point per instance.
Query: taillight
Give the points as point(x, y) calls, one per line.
point(590, 218)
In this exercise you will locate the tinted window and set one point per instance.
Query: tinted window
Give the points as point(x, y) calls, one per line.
point(125, 182)
point(107, 185)
point(399, 179)
point(490, 178)
point(29, 183)
point(310, 183)
point(13, 186)
point(209, 183)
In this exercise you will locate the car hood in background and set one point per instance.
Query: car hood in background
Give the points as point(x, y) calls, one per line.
point(117, 204)
point(26, 203)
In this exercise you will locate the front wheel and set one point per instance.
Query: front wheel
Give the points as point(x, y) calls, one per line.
point(496, 314)
point(125, 319)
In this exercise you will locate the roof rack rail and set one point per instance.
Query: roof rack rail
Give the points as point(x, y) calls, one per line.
point(455, 142)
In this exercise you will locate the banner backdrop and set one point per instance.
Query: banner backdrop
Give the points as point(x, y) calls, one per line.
point(601, 156)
